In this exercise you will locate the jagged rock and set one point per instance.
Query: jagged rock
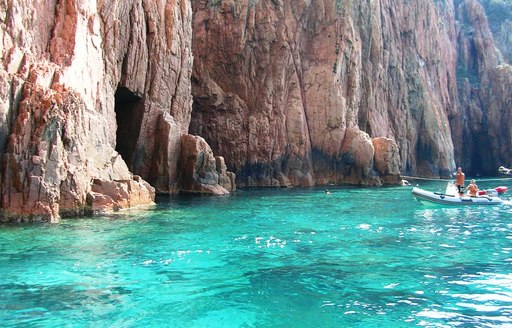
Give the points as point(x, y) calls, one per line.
point(226, 178)
point(201, 171)
point(53, 155)
point(79, 83)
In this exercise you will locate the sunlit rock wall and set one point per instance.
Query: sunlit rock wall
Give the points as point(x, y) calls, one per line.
point(92, 93)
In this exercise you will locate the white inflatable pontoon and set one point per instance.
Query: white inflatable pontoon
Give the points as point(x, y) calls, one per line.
point(452, 198)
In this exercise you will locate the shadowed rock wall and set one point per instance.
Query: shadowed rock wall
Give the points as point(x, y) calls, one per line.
point(482, 129)
point(277, 85)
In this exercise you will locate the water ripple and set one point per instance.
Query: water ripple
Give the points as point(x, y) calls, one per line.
point(265, 258)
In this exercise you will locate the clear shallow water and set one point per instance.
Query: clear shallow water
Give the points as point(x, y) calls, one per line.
point(265, 258)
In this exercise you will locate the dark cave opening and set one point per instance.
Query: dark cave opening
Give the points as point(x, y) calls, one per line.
point(129, 110)
point(481, 157)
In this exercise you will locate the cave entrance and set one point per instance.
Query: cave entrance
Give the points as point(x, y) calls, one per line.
point(129, 110)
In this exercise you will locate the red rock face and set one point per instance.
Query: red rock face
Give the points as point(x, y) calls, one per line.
point(281, 88)
point(52, 155)
point(287, 92)
point(80, 80)
point(485, 82)
point(148, 55)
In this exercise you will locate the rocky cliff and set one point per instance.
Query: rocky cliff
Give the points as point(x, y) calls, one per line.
point(98, 98)
point(499, 13)
point(280, 86)
point(482, 128)
point(94, 95)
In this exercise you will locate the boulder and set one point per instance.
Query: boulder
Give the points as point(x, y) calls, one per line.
point(387, 160)
point(201, 171)
point(113, 195)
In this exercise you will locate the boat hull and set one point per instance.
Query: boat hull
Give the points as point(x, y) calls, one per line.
point(428, 197)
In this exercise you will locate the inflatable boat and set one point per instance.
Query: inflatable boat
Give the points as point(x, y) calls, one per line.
point(428, 197)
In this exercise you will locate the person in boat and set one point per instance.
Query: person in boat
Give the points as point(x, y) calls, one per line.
point(459, 180)
point(472, 188)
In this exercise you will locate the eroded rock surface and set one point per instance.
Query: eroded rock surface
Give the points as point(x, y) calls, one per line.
point(112, 195)
point(277, 85)
point(482, 130)
point(89, 87)
point(94, 95)
point(386, 160)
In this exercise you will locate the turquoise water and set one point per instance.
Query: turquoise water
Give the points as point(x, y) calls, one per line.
point(265, 258)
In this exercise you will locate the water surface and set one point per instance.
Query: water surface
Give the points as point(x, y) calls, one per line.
point(265, 258)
